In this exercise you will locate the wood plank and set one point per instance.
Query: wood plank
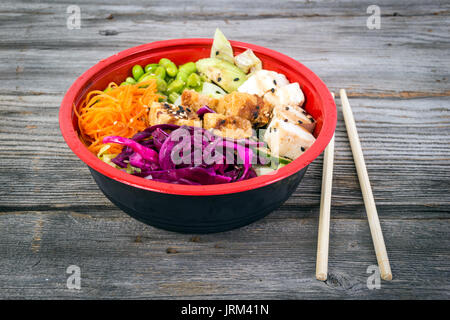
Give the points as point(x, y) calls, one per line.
point(122, 258)
point(405, 58)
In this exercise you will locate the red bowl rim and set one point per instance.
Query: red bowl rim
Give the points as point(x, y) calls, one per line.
point(71, 136)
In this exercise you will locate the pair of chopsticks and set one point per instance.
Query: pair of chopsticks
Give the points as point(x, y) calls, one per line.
point(369, 202)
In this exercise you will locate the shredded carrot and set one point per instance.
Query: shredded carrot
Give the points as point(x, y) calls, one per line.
point(120, 111)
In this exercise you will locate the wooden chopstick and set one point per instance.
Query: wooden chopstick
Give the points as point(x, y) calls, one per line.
point(369, 202)
point(324, 217)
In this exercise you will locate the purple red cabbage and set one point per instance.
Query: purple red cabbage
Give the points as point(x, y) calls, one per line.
point(205, 109)
point(185, 155)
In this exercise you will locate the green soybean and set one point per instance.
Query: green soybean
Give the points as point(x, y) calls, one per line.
point(188, 68)
point(124, 83)
point(199, 88)
point(172, 70)
point(173, 97)
point(137, 72)
point(194, 80)
point(176, 86)
point(160, 72)
point(130, 80)
point(204, 78)
point(160, 83)
point(150, 68)
point(182, 76)
point(171, 67)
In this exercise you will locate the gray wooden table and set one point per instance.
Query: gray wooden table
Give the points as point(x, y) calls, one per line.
point(52, 215)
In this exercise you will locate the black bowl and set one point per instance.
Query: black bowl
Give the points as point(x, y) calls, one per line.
point(194, 214)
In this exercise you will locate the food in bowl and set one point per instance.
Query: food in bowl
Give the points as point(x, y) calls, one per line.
point(216, 120)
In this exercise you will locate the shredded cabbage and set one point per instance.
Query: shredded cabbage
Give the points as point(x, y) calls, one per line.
point(184, 155)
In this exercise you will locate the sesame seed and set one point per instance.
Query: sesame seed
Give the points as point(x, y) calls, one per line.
point(217, 53)
point(273, 90)
point(312, 120)
point(257, 107)
point(219, 79)
point(274, 82)
point(285, 120)
point(303, 149)
point(287, 108)
point(300, 121)
point(236, 79)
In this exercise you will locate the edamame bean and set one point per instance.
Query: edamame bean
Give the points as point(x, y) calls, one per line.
point(188, 68)
point(171, 67)
point(172, 70)
point(199, 88)
point(130, 80)
point(173, 97)
point(150, 68)
point(204, 78)
point(194, 80)
point(176, 86)
point(147, 76)
point(137, 72)
point(182, 76)
point(160, 72)
point(160, 83)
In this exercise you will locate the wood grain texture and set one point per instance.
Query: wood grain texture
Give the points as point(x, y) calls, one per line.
point(122, 258)
point(52, 214)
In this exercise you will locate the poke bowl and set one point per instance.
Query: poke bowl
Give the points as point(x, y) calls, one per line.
point(197, 208)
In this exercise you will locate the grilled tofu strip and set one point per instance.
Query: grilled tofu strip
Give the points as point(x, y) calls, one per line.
point(295, 115)
point(286, 139)
point(195, 100)
point(263, 81)
point(231, 127)
point(162, 113)
point(247, 106)
point(289, 95)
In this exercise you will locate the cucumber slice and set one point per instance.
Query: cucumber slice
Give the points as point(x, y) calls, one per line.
point(221, 47)
point(223, 73)
point(212, 90)
point(275, 162)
